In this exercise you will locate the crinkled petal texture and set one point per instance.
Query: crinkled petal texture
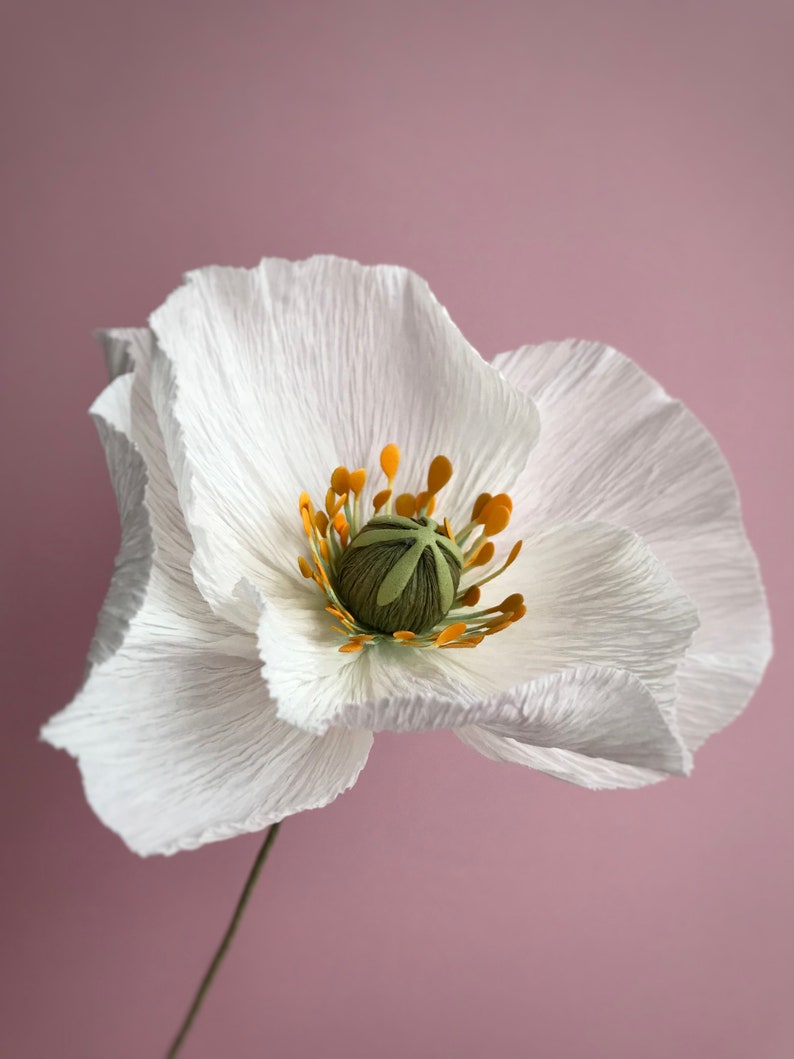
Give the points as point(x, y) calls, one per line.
point(272, 376)
point(615, 447)
point(250, 387)
point(322, 362)
point(177, 739)
point(596, 596)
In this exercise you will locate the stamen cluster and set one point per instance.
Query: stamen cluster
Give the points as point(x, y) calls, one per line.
point(331, 533)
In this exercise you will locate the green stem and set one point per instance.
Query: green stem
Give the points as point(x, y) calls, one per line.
point(226, 941)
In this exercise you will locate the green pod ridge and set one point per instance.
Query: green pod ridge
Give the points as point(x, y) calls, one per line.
point(399, 573)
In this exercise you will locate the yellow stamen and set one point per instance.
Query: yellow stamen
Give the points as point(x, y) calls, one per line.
point(357, 481)
point(452, 632)
point(381, 498)
point(479, 504)
point(513, 554)
point(510, 604)
point(427, 502)
point(323, 575)
point(340, 481)
point(439, 474)
point(483, 555)
point(500, 500)
point(340, 503)
point(329, 533)
point(497, 519)
point(498, 628)
point(405, 505)
point(390, 461)
point(472, 597)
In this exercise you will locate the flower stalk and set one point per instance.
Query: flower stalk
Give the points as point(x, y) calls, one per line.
point(226, 941)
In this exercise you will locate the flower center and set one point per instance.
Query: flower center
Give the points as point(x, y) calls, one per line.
point(400, 573)
point(402, 576)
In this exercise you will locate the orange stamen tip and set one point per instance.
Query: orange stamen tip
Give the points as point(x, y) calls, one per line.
point(452, 632)
point(324, 550)
point(390, 461)
point(330, 502)
point(497, 519)
point(513, 554)
point(303, 501)
point(404, 634)
point(304, 567)
point(479, 504)
point(483, 555)
point(321, 522)
point(340, 481)
point(405, 505)
point(519, 614)
point(500, 500)
point(381, 499)
point(307, 521)
point(439, 474)
point(358, 481)
point(511, 603)
point(340, 503)
point(472, 597)
point(351, 647)
point(448, 530)
point(498, 628)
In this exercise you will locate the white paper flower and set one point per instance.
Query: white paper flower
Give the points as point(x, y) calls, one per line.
point(237, 674)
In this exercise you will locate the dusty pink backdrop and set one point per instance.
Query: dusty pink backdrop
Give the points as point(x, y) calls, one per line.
point(620, 171)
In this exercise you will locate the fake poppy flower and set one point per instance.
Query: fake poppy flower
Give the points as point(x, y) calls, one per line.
point(316, 474)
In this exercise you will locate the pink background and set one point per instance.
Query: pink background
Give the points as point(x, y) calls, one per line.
point(611, 170)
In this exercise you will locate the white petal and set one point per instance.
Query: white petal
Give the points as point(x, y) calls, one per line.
point(594, 594)
point(148, 500)
point(116, 346)
point(387, 686)
point(176, 738)
point(593, 726)
point(111, 413)
point(275, 375)
point(179, 746)
point(615, 447)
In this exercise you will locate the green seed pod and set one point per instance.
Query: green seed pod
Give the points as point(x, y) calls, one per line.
point(399, 573)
